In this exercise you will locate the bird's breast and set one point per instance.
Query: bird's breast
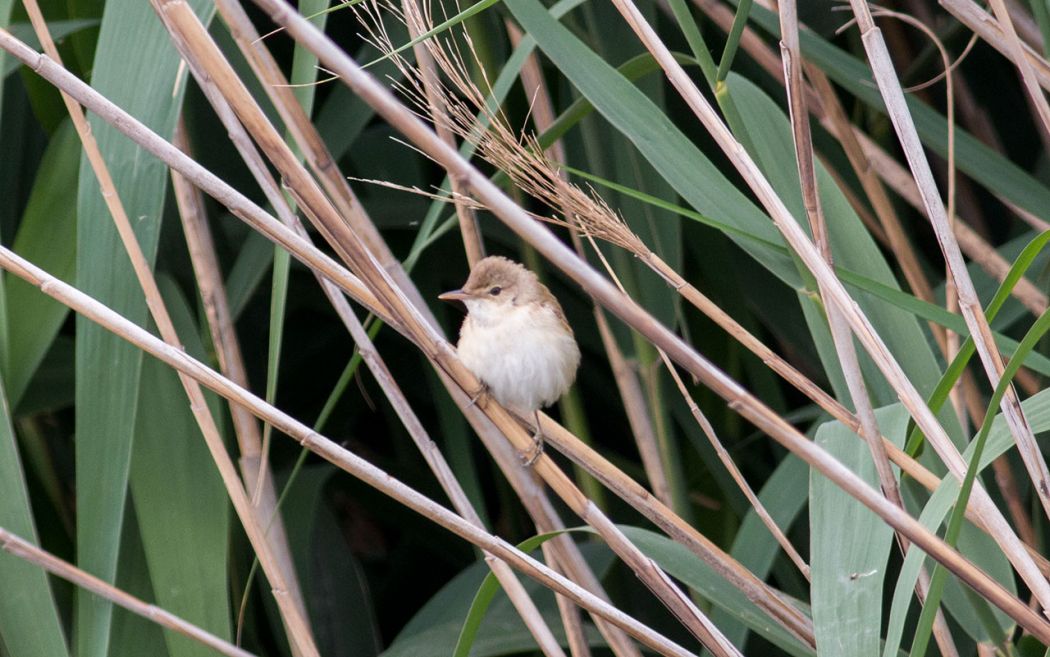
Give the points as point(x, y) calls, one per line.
point(526, 357)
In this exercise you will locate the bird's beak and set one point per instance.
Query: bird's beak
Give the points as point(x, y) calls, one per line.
point(454, 295)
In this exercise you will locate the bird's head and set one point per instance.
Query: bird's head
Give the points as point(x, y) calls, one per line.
point(496, 283)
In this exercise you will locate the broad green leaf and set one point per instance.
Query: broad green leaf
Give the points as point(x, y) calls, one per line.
point(180, 501)
point(1037, 410)
point(136, 67)
point(133, 634)
point(852, 246)
point(29, 622)
point(47, 238)
point(849, 544)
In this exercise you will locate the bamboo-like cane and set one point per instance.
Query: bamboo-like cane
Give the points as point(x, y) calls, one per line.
point(23, 549)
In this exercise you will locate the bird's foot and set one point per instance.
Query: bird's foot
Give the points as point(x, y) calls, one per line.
point(482, 391)
point(533, 455)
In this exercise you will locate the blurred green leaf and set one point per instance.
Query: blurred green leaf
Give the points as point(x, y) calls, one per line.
point(334, 584)
point(24, 32)
point(435, 629)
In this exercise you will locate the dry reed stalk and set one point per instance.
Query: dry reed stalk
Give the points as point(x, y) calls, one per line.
point(591, 211)
point(241, 206)
point(523, 604)
point(258, 219)
point(275, 557)
point(734, 472)
point(309, 141)
point(528, 167)
point(969, 304)
point(320, 160)
point(791, 54)
point(470, 231)
point(990, 28)
point(896, 176)
point(327, 449)
point(179, 18)
point(245, 209)
point(23, 549)
point(542, 512)
point(516, 593)
point(965, 396)
point(751, 408)
point(859, 323)
point(899, 242)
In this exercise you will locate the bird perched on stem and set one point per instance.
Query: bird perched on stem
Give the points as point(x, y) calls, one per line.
point(515, 339)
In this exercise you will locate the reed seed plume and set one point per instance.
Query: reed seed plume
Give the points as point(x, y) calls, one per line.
point(469, 112)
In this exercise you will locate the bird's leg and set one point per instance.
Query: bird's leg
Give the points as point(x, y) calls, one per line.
point(537, 443)
point(483, 389)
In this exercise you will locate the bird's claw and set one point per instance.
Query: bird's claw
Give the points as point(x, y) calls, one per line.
point(531, 456)
point(482, 391)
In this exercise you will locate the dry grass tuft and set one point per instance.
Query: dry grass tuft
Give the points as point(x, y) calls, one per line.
point(467, 112)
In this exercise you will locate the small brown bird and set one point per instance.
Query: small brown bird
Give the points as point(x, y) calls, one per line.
point(515, 339)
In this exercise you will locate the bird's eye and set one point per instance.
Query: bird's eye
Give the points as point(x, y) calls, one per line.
point(495, 291)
